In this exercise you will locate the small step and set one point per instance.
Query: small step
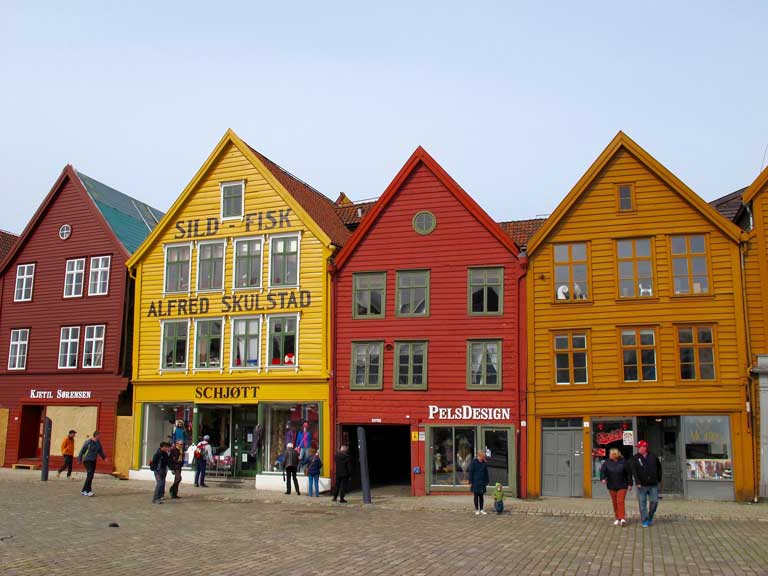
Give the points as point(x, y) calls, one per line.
point(24, 466)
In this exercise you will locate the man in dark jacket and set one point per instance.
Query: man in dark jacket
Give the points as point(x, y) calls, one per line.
point(176, 461)
point(90, 450)
point(290, 465)
point(478, 481)
point(343, 462)
point(159, 465)
point(646, 469)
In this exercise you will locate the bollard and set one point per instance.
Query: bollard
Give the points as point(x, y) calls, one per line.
point(364, 479)
point(46, 448)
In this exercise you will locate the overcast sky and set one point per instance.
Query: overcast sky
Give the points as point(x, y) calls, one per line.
point(514, 99)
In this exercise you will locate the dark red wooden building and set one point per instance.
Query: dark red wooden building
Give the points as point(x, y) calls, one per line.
point(429, 319)
point(65, 317)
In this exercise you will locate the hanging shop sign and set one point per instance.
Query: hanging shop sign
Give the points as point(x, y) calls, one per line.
point(469, 413)
point(230, 303)
point(60, 394)
point(225, 392)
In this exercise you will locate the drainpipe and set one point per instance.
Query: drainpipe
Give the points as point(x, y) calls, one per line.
point(331, 268)
point(522, 384)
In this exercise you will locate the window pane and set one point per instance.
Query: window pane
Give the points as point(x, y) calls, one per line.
point(562, 361)
point(561, 342)
point(649, 373)
point(647, 337)
point(580, 375)
point(680, 266)
point(648, 357)
point(579, 341)
point(707, 371)
point(628, 337)
point(697, 244)
point(643, 248)
point(442, 456)
point(678, 245)
point(561, 253)
point(624, 248)
point(627, 288)
point(686, 355)
point(706, 356)
point(578, 252)
point(685, 335)
point(704, 335)
point(579, 360)
point(626, 270)
point(630, 373)
point(630, 357)
point(700, 285)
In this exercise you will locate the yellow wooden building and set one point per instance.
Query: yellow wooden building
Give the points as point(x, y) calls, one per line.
point(232, 329)
point(636, 330)
point(753, 217)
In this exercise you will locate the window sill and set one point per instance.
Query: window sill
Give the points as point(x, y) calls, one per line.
point(378, 317)
point(484, 388)
point(485, 314)
point(366, 389)
point(708, 295)
point(409, 388)
point(637, 299)
point(412, 315)
point(569, 302)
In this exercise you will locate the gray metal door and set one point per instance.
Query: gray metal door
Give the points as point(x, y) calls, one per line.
point(562, 463)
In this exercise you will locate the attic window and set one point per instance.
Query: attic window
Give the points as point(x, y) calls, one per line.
point(626, 197)
point(65, 231)
point(232, 198)
point(424, 222)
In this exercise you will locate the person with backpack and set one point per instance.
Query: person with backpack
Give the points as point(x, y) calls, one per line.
point(90, 450)
point(203, 456)
point(159, 465)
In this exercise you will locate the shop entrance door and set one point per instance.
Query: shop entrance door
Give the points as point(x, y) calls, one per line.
point(562, 458)
point(216, 422)
point(662, 434)
point(31, 432)
point(389, 454)
point(496, 442)
point(244, 420)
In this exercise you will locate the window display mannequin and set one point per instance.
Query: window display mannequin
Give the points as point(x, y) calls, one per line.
point(179, 433)
point(463, 457)
point(303, 444)
point(290, 434)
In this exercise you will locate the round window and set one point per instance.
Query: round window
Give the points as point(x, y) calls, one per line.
point(65, 231)
point(424, 222)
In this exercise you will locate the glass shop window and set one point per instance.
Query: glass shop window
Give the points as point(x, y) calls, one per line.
point(285, 424)
point(610, 434)
point(708, 454)
point(166, 423)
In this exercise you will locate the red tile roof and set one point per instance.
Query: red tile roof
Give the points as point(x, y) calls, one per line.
point(320, 208)
point(352, 213)
point(521, 230)
point(729, 204)
point(7, 240)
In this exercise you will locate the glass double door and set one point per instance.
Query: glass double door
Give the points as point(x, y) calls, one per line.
point(454, 448)
point(663, 436)
point(231, 431)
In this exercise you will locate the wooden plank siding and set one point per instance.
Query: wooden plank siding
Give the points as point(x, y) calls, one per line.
point(458, 242)
point(48, 311)
point(660, 212)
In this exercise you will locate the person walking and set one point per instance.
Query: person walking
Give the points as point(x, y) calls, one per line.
point(203, 456)
point(646, 470)
point(176, 461)
point(615, 474)
point(478, 481)
point(314, 465)
point(90, 450)
point(159, 465)
point(343, 462)
point(291, 464)
point(68, 451)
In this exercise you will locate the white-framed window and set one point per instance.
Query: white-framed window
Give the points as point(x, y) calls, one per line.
point(177, 270)
point(93, 346)
point(98, 279)
point(174, 344)
point(68, 346)
point(246, 342)
point(25, 280)
point(284, 256)
point(73, 278)
point(208, 342)
point(17, 355)
point(210, 265)
point(248, 263)
point(232, 199)
point(284, 340)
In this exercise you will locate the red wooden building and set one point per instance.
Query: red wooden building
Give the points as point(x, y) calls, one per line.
point(429, 319)
point(65, 310)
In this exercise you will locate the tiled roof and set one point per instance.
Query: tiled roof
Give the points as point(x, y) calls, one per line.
point(131, 220)
point(7, 240)
point(352, 213)
point(729, 204)
point(319, 207)
point(521, 230)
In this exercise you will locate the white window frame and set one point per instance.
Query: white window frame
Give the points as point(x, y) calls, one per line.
point(100, 270)
point(24, 276)
point(232, 341)
point(242, 200)
point(270, 239)
point(190, 245)
point(94, 341)
point(68, 273)
point(223, 265)
point(220, 367)
point(184, 368)
point(69, 341)
point(235, 241)
point(21, 361)
point(267, 365)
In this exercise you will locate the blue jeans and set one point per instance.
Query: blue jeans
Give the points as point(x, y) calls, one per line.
point(644, 493)
point(159, 484)
point(499, 506)
point(314, 482)
point(200, 471)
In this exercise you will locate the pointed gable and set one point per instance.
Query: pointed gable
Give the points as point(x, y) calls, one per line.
point(760, 182)
point(622, 143)
point(420, 159)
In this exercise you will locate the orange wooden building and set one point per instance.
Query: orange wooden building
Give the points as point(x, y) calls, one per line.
point(636, 330)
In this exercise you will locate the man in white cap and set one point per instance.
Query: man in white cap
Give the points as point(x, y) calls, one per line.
point(203, 456)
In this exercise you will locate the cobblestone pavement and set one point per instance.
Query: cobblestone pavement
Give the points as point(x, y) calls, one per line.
point(48, 528)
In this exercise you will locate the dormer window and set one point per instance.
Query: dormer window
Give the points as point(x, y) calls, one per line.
point(232, 199)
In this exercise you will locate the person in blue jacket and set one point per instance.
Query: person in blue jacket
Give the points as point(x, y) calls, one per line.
point(478, 481)
point(314, 465)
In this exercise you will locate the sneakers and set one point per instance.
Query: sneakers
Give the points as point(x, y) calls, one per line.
point(623, 522)
point(483, 512)
point(58, 474)
point(646, 524)
point(87, 493)
point(617, 523)
point(477, 512)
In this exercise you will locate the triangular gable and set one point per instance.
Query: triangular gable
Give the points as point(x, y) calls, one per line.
point(421, 156)
point(68, 173)
point(621, 140)
point(229, 138)
point(756, 186)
